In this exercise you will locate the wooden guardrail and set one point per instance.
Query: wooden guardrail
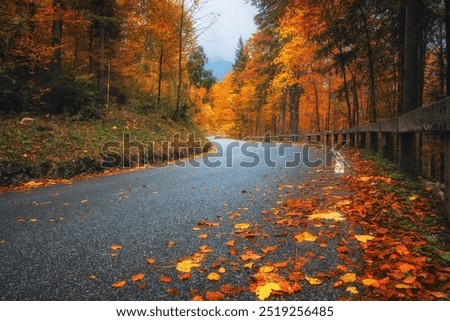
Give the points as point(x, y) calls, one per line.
point(381, 137)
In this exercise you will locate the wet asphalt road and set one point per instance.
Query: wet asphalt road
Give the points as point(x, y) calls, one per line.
point(75, 226)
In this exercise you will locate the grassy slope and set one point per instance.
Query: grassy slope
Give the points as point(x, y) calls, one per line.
point(55, 147)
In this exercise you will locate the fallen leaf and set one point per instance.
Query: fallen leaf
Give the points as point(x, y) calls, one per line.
point(137, 277)
point(213, 276)
point(203, 236)
point(171, 244)
point(364, 238)
point(119, 284)
point(352, 290)
point(33, 220)
point(413, 197)
point(114, 254)
point(173, 292)
point(165, 279)
point(151, 261)
point(222, 270)
point(439, 295)
point(264, 291)
point(266, 269)
point(281, 264)
point(371, 282)
point(405, 267)
point(250, 255)
point(92, 277)
point(313, 281)
point(230, 243)
point(249, 265)
point(335, 216)
point(242, 226)
point(214, 296)
point(342, 268)
point(401, 249)
point(20, 220)
point(84, 201)
point(197, 298)
point(116, 247)
point(404, 286)
point(305, 236)
point(186, 265)
point(184, 276)
point(268, 249)
point(348, 277)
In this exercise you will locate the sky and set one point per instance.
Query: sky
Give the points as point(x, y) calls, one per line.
point(236, 19)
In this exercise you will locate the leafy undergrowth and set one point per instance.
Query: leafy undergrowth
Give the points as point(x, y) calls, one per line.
point(370, 234)
point(54, 147)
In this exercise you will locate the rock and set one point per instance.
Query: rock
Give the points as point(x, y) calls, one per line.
point(26, 121)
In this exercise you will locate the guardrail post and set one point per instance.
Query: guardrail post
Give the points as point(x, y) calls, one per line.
point(447, 176)
point(318, 138)
point(352, 139)
point(362, 140)
point(335, 139)
point(373, 141)
point(388, 150)
point(408, 153)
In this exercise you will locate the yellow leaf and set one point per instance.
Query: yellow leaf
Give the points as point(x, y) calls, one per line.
point(335, 216)
point(214, 277)
point(33, 220)
point(364, 238)
point(313, 281)
point(242, 226)
point(348, 277)
point(352, 290)
point(404, 286)
point(305, 236)
point(413, 197)
point(222, 270)
point(266, 269)
point(119, 284)
point(249, 265)
point(370, 282)
point(186, 265)
point(137, 277)
point(116, 247)
point(264, 291)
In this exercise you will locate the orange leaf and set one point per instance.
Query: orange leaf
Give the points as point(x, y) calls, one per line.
point(342, 268)
point(313, 281)
point(405, 267)
point(119, 284)
point(214, 296)
point(371, 282)
point(171, 244)
point(230, 243)
point(150, 261)
point(250, 255)
point(203, 236)
point(20, 220)
point(137, 277)
point(197, 298)
point(184, 276)
point(281, 264)
point(401, 249)
point(268, 249)
point(173, 292)
point(439, 295)
point(165, 279)
point(116, 247)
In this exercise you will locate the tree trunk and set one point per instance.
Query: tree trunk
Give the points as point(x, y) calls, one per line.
point(160, 76)
point(411, 66)
point(447, 37)
point(328, 119)
point(295, 91)
point(347, 97)
point(371, 67)
point(283, 102)
point(90, 48)
point(316, 106)
point(57, 26)
point(180, 63)
point(101, 67)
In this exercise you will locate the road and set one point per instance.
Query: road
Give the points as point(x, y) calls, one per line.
point(56, 241)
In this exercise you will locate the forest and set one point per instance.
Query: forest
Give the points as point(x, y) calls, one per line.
point(79, 56)
point(324, 65)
